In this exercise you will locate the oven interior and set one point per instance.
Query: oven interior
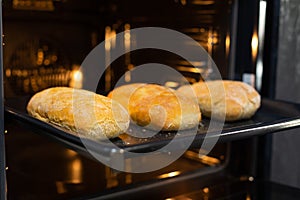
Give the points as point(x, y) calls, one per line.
point(46, 41)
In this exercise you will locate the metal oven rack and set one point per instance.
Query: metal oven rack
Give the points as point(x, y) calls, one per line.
point(273, 116)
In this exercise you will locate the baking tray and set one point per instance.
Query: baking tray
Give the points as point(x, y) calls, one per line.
point(273, 116)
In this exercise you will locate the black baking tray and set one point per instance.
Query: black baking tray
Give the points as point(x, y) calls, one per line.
point(272, 116)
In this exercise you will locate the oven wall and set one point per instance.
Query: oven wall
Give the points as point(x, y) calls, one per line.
point(285, 163)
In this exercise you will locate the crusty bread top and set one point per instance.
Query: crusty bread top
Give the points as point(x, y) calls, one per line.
point(233, 100)
point(84, 112)
point(123, 93)
point(157, 107)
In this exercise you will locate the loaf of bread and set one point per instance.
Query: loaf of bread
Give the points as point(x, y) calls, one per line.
point(123, 93)
point(83, 112)
point(232, 100)
point(158, 108)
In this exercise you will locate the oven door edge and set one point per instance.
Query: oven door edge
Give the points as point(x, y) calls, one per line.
point(2, 145)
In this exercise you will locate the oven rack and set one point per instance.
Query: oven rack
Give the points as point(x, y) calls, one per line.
point(273, 116)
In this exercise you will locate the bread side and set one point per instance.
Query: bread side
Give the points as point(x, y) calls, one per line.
point(158, 108)
point(84, 112)
point(229, 100)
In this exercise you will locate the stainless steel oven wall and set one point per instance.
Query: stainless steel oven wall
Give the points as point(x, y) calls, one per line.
point(207, 22)
point(285, 162)
point(43, 48)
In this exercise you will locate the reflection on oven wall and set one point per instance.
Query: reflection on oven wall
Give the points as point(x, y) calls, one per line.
point(44, 48)
point(207, 22)
point(285, 147)
point(50, 48)
point(36, 63)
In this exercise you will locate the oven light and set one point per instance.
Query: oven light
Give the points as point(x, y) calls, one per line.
point(8, 72)
point(227, 44)
point(77, 75)
point(205, 190)
point(76, 171)
point(254, 43)
point(169, 175)
point(254, 46)
point(76, 79)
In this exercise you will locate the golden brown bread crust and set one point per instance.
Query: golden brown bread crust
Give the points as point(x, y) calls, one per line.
point(233, 100)
point(84, 112)
point(122, 94)
point(157, 107)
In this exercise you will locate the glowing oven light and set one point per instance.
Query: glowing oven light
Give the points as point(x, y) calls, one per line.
point(77, 75)
point(227, 44)
point(76, 79)
point(169, 175)
point(254, 45)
